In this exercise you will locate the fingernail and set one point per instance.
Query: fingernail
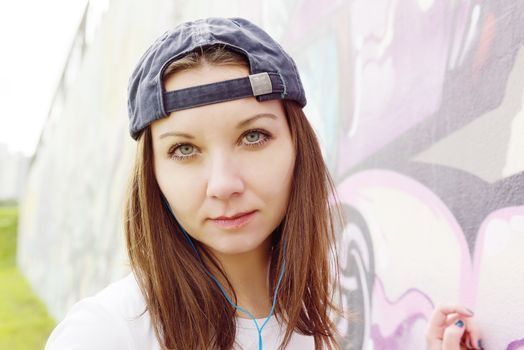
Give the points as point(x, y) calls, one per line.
point(459, 323)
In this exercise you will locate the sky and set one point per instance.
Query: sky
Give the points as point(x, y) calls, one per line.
point(35, 38)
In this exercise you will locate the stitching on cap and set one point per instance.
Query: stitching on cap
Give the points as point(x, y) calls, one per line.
point(284, 93)
point(292, 64)
point(159, 96)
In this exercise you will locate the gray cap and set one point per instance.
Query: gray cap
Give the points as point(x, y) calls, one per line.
point(273, 73)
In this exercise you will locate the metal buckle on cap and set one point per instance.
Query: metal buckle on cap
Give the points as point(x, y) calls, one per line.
point(261, 84)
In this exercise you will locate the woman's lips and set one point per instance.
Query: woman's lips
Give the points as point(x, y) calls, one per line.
point(236, 222)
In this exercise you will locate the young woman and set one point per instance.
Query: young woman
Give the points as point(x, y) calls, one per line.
point(231, 214)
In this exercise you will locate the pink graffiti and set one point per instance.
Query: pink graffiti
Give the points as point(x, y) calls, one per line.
point(486, 38)
point(412, 306)
point(516, 345)
point(392, 321)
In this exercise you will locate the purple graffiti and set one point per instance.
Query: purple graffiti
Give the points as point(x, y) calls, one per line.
point(516, 345)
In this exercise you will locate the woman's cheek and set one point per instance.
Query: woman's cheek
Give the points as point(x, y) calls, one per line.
point(175, 182)
point(183, 187)
point(281, 169)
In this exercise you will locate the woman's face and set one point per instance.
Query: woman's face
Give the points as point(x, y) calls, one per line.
point(225, 160)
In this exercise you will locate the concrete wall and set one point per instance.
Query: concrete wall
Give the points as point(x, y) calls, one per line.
point(419, 107)
point(13, 172)
point(71, 236)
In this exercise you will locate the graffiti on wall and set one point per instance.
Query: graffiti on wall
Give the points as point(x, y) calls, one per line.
point(419, 106)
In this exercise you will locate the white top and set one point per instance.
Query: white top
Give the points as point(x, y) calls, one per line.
point(109, 320)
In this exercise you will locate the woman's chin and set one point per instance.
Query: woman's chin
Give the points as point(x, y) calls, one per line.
point(235, 247)
point(232, 250)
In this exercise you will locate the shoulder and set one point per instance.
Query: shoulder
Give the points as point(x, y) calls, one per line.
point(112, 319)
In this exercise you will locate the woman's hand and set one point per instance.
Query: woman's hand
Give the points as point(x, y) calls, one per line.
point(452, 328)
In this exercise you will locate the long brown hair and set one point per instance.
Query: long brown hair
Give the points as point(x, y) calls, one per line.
point(187, 309)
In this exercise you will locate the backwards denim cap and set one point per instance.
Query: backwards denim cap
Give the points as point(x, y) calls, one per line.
point(272, 72)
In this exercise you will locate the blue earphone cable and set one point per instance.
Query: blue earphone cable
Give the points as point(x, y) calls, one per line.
point(259, 329)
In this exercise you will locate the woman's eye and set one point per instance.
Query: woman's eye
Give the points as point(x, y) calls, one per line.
point(182, 151)
point(185, 149)
point(255, 138)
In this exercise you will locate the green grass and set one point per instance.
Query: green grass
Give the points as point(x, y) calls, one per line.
point(24, 321)
point(8, 221)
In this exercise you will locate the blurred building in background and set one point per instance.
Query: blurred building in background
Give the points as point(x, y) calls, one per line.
point(419, 109)
point(13, 172)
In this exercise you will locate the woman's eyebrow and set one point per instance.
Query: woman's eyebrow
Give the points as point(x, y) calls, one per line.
point(255, 117)
point(173, 133)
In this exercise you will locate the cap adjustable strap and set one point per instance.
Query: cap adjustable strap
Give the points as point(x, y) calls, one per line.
point(252, 85)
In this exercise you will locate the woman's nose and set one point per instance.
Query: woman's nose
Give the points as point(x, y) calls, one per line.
point(224, 179)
